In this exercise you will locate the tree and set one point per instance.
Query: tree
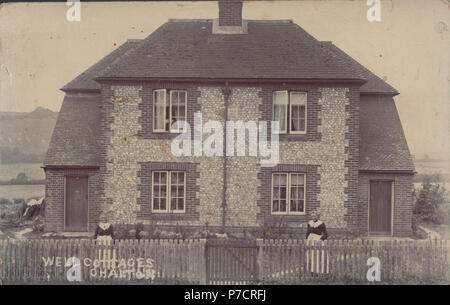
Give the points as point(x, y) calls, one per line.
point(21, 177)
point(431, 201)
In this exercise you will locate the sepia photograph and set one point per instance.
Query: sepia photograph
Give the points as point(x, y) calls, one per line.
point(229, 142)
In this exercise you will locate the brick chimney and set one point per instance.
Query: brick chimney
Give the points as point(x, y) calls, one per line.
point(230, 12)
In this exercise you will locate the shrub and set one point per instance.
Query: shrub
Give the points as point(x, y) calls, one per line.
point(38, 224)
point(431, 202)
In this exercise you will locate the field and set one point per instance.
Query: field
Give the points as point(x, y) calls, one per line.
point(21, 191)
point(32, 170)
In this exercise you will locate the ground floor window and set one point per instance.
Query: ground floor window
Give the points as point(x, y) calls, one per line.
point(288, 193)
point(169, 191)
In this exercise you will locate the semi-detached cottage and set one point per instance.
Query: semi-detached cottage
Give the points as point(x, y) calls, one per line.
point(342, 148)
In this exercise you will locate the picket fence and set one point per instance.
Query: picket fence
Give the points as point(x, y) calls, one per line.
point(162, 261)
point(198, 261)
point(345, 261)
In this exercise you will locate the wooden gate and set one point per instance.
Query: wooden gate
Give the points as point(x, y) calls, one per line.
point(231, 262)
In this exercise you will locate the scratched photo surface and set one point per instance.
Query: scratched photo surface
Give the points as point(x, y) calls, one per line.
point(225, 142)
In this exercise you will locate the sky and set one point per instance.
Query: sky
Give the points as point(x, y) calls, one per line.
point(40, 50)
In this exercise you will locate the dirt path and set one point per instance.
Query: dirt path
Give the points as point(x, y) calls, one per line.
point(437, 231)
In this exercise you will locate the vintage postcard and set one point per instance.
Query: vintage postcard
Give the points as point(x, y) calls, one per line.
point(225, 142)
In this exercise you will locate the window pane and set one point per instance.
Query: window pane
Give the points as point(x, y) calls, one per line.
point(173, 178)
point(178, 106)
point(181, 191)
point(301, 191)
point(162, 203)
point(167, 119)
point(280, 116)
point(276, 193)
point(173, 191)
point(280, 102)
point(279, 192)
point(294, 204)
point(298, 118)
point(156, 177)
point(276, 179)
point(298, 111)
point(297, 179)
point(297, 191)
point(283, 192)
point(180, 204)
point(298, 98)
point(173, 204)
point(275, 206)
point(159, 107)
point(280, 97)
point(294, 192)
point(301, 206)
point(283, 179)
point(156, 192)
point(155, 203)
point(177, 191)
point(181, 178)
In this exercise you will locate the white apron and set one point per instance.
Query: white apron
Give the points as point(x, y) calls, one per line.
point(312, 256)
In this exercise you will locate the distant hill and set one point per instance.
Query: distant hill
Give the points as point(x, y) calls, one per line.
point(24, 136)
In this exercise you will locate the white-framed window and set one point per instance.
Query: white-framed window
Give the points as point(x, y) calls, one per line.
point(169, 106)
point(297, 121)
point(288, 193)
point(289, 109)
point(169, 191)
point(280, 108)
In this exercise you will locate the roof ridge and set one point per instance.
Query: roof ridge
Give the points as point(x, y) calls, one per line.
point(189, 20)
point(286, 21)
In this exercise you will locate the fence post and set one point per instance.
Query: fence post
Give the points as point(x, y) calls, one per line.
point(203, 261)
point(260, 260)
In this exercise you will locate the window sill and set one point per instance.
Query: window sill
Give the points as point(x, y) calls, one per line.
point(295, 137)
point(159, 135)
point(167, 216)
point(288, 217)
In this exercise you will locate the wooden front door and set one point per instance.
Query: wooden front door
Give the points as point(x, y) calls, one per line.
point(76, 203)
point(380, 207)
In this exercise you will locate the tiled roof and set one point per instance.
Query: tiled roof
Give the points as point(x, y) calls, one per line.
point(74, 139)
point(270, 49)
point(86, 79)
point(187, 49)
point(382, 144)
point(374, 83)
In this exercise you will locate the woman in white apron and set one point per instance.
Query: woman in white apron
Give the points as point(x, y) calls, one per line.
point(104, 234)
point(104, 231)
point(316, 232)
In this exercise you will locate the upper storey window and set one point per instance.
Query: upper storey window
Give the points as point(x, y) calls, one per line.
point(169, 107)
point(289, 109)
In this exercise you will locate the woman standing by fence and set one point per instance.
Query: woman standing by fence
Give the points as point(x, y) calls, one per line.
point(104, 231)
point(316, 232)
